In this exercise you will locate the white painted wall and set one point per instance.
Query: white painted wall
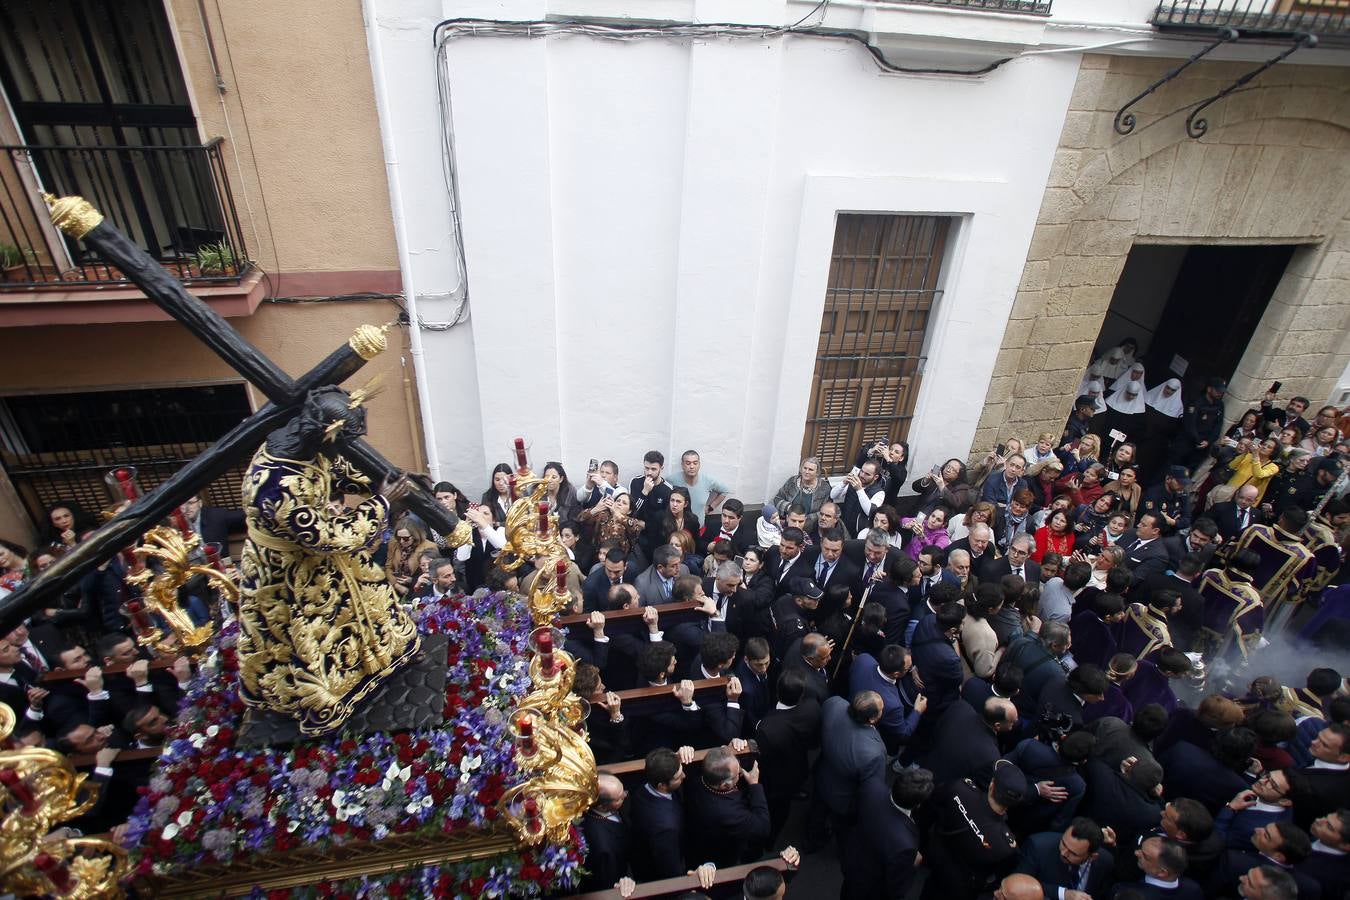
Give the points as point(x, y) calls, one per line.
point(648, 227)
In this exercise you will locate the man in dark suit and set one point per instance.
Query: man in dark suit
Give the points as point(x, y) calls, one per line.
point(979, 543)
point(1163, 862)
point(613, 569)
point(879, 858)
point(731, 525)
point(1184, 624)
point(1144, 550)
point(1085, 684)
point(786, 735)
point(212, 523)
point(656, 811)
point(871, 555)
point(935, 656)
point(853, 756)
point(788, 560)
point(741, 612)
point(1051, 762)
point(884, 675)
point(1200, 539)
point(965, 742)
point(811, 654)
point(756, 685)
point(18, 684)
point(1280, 844)
point(1211, 774)
point(1329, 862)
point(1018, 562)
point(727, 817)
point(1072, 860)
point(830, 565)
point(1234, 516)
point(1125, 798)
point(607, 837)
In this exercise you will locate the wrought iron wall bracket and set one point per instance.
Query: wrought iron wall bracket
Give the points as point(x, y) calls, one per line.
point(1124, 122)
point(1196, 126)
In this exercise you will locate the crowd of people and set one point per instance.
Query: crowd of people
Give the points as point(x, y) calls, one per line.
point(985, 680)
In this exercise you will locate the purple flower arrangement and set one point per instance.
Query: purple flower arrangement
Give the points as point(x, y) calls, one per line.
point(210, 802)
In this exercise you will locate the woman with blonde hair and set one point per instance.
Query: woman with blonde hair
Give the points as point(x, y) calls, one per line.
point(982, 512)
point(809, 487)
point(1078, 455)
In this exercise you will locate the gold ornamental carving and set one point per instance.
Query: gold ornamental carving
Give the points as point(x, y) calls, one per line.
point(41, 789)
point(552, 753)
point(159, 590)
point(75, 216)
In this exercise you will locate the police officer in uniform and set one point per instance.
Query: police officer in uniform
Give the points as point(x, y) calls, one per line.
point(1170, 500)
point(970, 846)
point(1201, 426)
point(1309, 488)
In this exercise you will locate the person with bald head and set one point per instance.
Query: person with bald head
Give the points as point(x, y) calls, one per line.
point(1019, 887)
point(607, 837)
point(1234, 516)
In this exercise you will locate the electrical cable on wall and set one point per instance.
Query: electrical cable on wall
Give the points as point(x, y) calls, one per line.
point(452, 29)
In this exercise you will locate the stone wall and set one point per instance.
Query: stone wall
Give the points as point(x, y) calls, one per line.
point(1272, 168)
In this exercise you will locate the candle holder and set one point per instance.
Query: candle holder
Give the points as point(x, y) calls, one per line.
point(520, 452)
point(39, 789)
point(521, 728)
point(122, 485)
point(159, 592)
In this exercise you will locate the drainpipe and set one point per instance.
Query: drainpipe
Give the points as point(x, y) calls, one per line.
point(415, 351)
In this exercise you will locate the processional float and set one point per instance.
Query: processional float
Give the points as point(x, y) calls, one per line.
point(439, 751)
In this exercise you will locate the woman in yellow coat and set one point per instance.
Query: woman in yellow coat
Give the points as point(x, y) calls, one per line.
point(1256, 468)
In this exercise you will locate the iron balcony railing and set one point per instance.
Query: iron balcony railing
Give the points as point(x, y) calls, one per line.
point(1029, 7)
point(1274, 17)
point(173, 200)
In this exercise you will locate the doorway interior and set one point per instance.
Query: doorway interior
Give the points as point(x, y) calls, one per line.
point(1193, 308)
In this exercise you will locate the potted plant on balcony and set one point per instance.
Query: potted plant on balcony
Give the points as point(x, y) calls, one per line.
point(12, 260)
point(215, 259)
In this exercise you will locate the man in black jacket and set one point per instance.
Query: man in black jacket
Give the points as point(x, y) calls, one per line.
point(651, 501)
point(786, 736)
point(879, 857)
point(607, 837)
point(965, 743)
point(1073, 861)
point(656, 811)
point(727, 817)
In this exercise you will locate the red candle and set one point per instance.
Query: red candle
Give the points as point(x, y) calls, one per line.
point(180, 522)
point(545, 642)
point(125, 480)
point(213, 557)
point(525, 726)
point(55, 870)
point(18, 790)
point(543, 518)
point(140, 620)
point(561, 581)
point(511, 481)
point(520, 454)
point(531, 808)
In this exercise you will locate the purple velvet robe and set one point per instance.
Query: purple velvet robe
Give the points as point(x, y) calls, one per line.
point(1150, 685)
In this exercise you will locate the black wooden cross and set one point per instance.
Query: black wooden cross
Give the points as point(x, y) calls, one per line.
point(77, 219)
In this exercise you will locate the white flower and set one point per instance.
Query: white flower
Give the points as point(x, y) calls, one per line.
point(213, 730)
point(487, 675)
point(292, 825)
point(473, 762)
point(392, 772)
point(427, 802)
point(185, 818)
point(413, 806)
point(170, 831)
point(338, 797)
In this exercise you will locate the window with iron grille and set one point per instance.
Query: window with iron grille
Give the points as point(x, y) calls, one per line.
point(56, 448)
point(883, 284)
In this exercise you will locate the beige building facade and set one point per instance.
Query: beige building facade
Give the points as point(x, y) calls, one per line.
point(1271, 170)
point(300, 146)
